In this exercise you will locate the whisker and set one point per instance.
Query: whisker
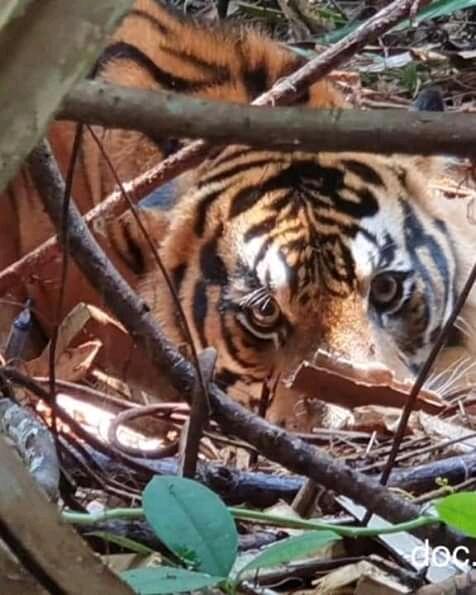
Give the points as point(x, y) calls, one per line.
point(434, 379)
point(452, 383)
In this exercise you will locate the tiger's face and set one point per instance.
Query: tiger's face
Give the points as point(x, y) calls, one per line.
point(297, 252)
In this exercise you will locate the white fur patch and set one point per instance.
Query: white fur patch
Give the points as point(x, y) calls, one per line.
point(271, 268)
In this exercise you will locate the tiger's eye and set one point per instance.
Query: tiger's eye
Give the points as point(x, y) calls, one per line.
point(386, 290)
point(265, 314)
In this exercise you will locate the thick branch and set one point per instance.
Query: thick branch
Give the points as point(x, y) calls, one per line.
point(53, 44)
point(161, 114)
point(272, 442)
point(34, 443)
point(51, 551)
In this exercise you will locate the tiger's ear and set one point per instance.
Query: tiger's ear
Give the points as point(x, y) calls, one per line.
point(429, 100)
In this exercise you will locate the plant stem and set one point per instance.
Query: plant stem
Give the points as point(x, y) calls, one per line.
point(244, 514)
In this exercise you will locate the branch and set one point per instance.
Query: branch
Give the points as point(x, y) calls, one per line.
point(293, 86)
point(38, 77)
point(32, 529)
point(161, 114)
point(34, 443)
point(274, 443)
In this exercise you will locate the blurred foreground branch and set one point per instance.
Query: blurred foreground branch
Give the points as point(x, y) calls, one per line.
point(39, 75)
point(161, 114)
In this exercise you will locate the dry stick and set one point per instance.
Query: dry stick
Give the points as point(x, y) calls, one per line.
point(165, 114)
point(274, 443)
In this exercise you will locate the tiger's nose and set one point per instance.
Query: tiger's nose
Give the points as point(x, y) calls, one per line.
point(346, 330)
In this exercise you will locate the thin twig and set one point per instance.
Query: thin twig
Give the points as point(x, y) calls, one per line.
point(63, 279)
point(199, 415)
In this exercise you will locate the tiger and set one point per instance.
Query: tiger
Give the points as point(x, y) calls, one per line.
point(273, 254)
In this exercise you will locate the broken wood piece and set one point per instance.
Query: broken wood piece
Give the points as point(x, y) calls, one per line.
point(339, 382)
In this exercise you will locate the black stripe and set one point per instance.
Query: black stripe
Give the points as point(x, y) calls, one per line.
point(259, 229)
point(415, 238)
point(235, 169)
point(202, 211)
point(244, 200)
point(387, 251)
point(329, 181)
point(161, 28)
point(231, 348)
point(82, 160)
point(225, 378)
point(282, 201)
point(256, 80)
point(200, 310)
point(328, 249)
point(134, 257)
point(125, 51)
point(363, 171)
point(212, 266)
point(262, 251)
point(178, 274)
point(228, 154)
point(219, 73)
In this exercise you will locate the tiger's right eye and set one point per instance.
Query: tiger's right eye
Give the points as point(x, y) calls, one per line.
point(266, 314)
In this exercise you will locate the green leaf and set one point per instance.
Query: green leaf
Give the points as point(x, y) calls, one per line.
point(293, 548)
point(440, 8)
point(125, 542)
point(166, 579)
point(459, 511)
point(192, 522)
point(436, 9)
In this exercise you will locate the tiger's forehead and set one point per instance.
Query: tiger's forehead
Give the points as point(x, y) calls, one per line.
point(269, 265)
point(302, 222)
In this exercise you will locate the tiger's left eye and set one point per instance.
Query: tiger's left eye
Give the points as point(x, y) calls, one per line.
point(265, 314)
